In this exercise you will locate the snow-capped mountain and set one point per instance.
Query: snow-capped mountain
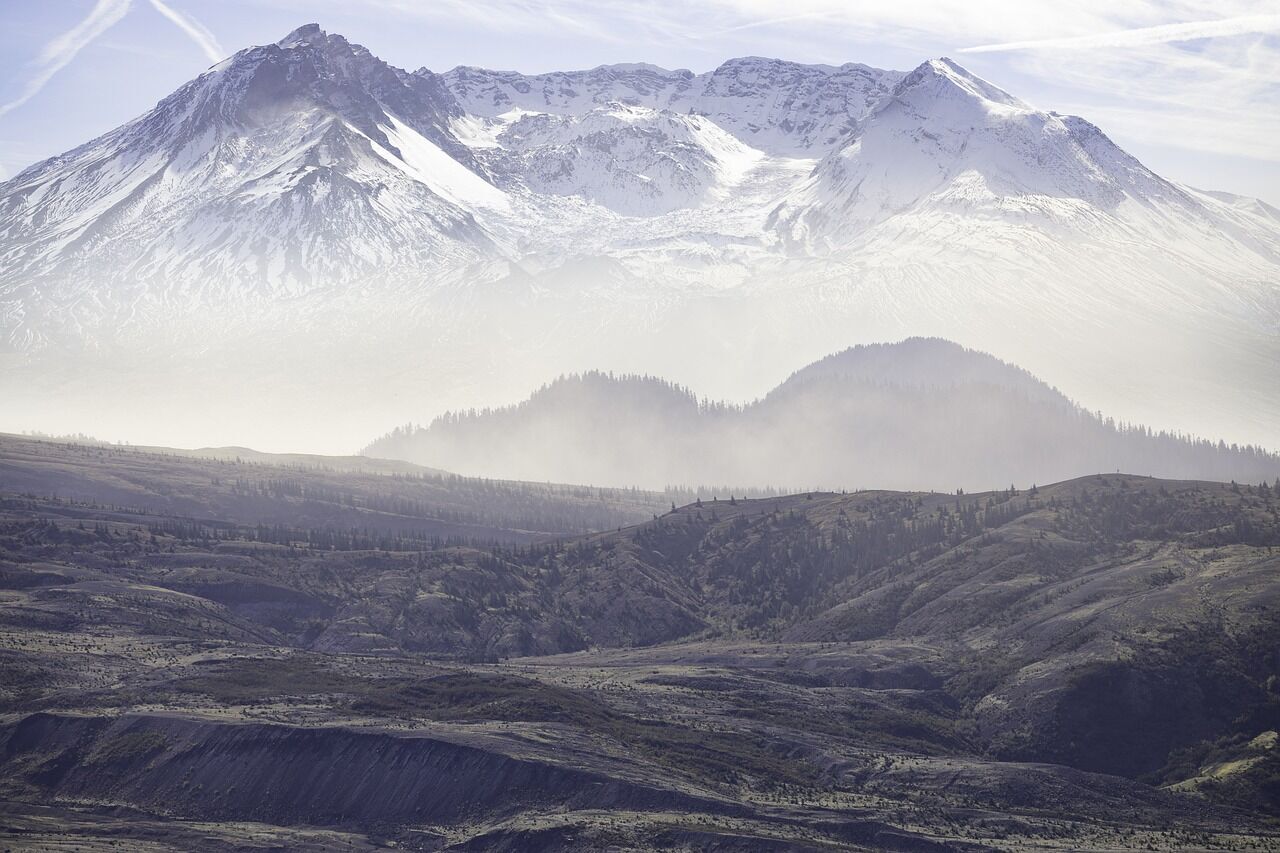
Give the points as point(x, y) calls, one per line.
point(309, 195)
point(290, 166)
point(948, 140)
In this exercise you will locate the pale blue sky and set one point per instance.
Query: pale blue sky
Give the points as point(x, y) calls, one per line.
point(1204, 111)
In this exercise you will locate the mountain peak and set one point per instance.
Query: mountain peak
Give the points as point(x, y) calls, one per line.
point(946, 73)
point(305, 34)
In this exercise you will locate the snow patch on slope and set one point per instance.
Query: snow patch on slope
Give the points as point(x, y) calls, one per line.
point(427, 163)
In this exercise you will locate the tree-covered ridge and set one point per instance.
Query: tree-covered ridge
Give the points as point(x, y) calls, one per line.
point(924, 413)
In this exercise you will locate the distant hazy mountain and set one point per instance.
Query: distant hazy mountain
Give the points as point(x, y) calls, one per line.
point(303, 211)
point(923, 413)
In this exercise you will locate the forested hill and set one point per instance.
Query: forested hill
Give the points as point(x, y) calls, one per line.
point(919, 414)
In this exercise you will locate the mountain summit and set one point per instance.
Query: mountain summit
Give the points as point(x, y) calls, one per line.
point(286, 166)
point(946, 142)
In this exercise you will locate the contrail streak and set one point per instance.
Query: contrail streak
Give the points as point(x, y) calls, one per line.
point(193, 28)
point(1146, 35)
point(57, 53)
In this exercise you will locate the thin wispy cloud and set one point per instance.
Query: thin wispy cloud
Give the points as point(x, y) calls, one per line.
point(194, 29)
point(1216, 99)
point(60, 51)
point(773, 22)
point(1163, 34)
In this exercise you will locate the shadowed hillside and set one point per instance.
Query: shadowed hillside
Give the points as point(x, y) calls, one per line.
point(280, 496)
point(923, 413)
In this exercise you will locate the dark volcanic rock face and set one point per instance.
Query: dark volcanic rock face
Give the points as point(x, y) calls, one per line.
point(1128, 716)
point(310, 69)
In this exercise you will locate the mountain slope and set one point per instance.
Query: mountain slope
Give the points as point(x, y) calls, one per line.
point(285, 168)
point(923, 413)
